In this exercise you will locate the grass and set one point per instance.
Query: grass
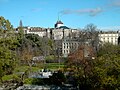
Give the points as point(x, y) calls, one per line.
point(21, 69)
point(54, 66)
point(10, 77)
point(7, 77)
point(51, 66)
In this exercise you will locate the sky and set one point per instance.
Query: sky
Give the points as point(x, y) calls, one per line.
point(105, 14)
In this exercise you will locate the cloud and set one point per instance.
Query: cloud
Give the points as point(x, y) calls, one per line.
point(111, 5)
point(89, 11)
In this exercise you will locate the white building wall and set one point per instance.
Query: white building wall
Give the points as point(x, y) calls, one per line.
point(41, 33)
point(109, 38)
point(57, 34)
point(69, 46)
point(59, 25)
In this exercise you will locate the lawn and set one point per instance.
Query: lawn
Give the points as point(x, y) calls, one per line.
point(23, 68)
point(50, 66)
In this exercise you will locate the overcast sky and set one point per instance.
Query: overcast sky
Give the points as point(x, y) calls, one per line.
point(73, 13)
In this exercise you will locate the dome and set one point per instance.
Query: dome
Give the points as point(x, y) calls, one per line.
point(59, 22)
point(64, 27)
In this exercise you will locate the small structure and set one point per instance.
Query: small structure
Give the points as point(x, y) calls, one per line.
point(38, 59)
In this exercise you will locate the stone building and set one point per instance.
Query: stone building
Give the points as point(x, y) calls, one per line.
point(67, 39)
point(109, 37)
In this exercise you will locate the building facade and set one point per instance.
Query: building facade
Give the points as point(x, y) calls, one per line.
point(69, 46)
point(69, 39)
point(109, 37)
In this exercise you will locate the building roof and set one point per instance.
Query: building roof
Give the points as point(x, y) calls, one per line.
point(59, 22)
point(64, 27)
point(108, 32)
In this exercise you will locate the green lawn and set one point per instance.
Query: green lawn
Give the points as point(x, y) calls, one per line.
point(54, 66)
point(51, 66)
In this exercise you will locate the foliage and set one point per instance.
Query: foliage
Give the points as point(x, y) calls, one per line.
point(101, 73)
point(5, 25)
point(7, 48)
point(45, 45)
point(10, 77)
point(23, 68)
point(28, 81)
point(31, 45)
point(107, 66)
point(57, 78)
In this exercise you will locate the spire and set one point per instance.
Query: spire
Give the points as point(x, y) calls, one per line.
point(58, 16)
point(20, 24)
point(59, 23)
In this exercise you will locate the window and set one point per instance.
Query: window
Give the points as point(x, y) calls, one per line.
point(64, 51)
point(67, 46)
point(67, 51)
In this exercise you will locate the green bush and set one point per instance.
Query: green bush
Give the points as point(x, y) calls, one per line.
point(11, 77)
point(28, 81)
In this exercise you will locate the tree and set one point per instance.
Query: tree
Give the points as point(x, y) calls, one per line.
point(36, 42)
point(101, 72)
point(80, 63)
point(107, 66)
point(8, 43)
point(5, 25)
point(91, 28)
point(44, 45)
point(91, 35)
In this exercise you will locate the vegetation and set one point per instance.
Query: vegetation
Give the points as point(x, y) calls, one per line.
point(7, 48)
point(103, 72)
point(91, 67)
point(95, 71)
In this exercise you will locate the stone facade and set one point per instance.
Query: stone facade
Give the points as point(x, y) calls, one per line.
point(109, 37)
point(69, 39)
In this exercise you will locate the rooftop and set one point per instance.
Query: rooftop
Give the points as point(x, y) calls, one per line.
point(59, 22)
point(63, 27)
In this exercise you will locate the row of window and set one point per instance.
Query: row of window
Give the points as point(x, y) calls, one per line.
point(70, 45)
point(109, 35)
point(66, 51)
point(110, 38)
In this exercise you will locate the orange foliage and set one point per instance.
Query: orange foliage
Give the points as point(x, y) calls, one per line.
point(79, 54)
point(82, 56)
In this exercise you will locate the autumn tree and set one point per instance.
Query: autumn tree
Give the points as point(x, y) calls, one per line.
point(80, 63)
point(98, 72)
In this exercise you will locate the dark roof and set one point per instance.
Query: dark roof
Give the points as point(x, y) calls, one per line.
point(64, 27)
point(59, 22)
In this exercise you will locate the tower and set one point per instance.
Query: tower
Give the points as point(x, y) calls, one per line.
point(20, 24)
point(59, 24)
